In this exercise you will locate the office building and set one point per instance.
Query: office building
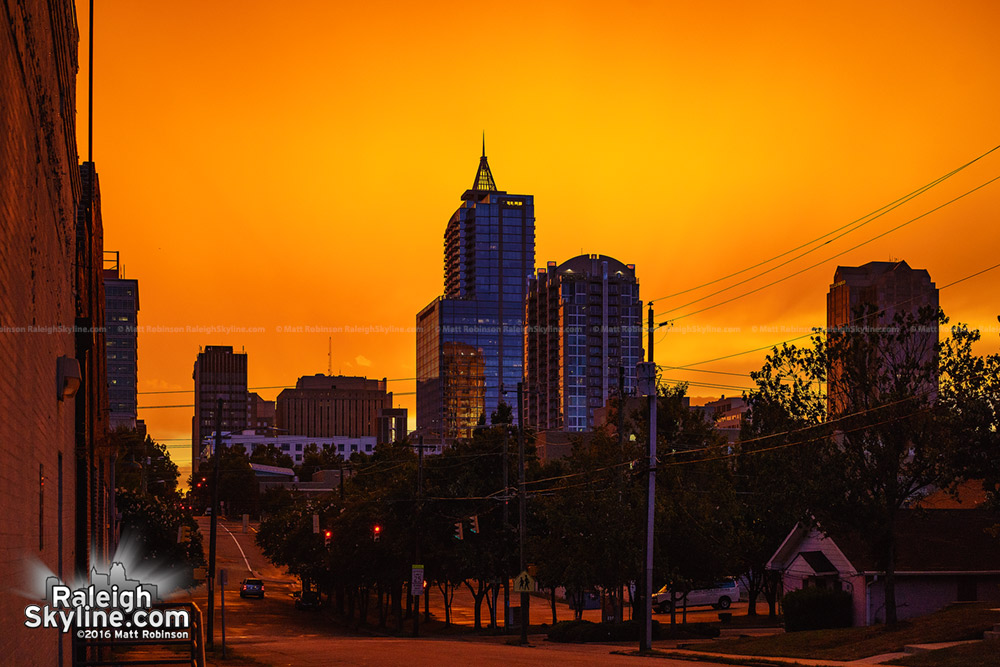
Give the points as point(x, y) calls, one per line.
point(218, 373)
point(582, 324)
point(121, 312)
point(392, 425)
point(325, 406)
point(260, 414)
point(727, 414)
point(470, 341)
point(885, 289)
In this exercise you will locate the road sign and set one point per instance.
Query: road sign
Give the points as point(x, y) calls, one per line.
point(223, 576)
point(523, 583)
point(417, 580)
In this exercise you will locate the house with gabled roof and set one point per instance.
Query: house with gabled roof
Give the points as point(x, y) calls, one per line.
point(942, 556)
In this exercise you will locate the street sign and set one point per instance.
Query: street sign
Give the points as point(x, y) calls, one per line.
point(223, 576)
point(316, 523)
point(523, 583)
point(417, 581)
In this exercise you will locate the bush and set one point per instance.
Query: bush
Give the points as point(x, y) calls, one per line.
point(817, 609)
point(581, 632)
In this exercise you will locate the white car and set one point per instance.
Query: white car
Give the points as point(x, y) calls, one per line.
point(721, 596)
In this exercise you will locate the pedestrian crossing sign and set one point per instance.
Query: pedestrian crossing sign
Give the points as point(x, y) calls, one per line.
point(523, 583)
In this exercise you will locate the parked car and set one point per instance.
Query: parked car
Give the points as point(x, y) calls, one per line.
point(720, 595)
point(252, 588)
point(308, 600)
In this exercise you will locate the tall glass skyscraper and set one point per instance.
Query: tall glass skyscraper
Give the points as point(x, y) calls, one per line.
point(470, 342)
point(584, 323)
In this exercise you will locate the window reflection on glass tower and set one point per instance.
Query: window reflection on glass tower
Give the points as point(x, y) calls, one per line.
point(470, 341)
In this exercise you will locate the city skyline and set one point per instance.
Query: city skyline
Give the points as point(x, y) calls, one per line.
point(692, 146)
point(281, 179)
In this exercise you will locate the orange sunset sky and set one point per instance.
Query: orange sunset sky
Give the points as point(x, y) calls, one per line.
point(270, 165)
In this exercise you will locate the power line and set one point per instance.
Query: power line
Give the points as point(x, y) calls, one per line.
point(277, 386)
point(834, 256)
point(818, 331)
point(893, 204)
point(153, 407)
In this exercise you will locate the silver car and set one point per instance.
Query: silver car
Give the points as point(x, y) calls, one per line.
point(720, 595)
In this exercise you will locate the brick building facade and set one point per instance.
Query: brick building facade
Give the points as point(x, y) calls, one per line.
point(338, 405)
point(55, 478)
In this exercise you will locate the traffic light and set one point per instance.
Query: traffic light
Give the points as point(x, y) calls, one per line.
point(376, 533)
point(475, 524)
point(327, 537)
point(458, 531)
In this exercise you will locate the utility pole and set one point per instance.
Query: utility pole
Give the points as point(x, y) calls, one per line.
point(506, 523)
point(415, 595)
point(646, 635)
point(620, 612)
point(525, 616)
point(213, 521)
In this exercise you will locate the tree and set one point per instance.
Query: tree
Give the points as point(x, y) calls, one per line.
point(504, 414)
point(970, 393)
point(585, 538)
point(773, 482)
point(270, 455)
point(150, 525)
point(886, 439)
point(694, 503)
point(888, 443)
point(466, 481)
point(238, 487)
point(142, 465)
point(286, 537)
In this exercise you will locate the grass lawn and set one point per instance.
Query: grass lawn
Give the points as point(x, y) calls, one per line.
point(982, 654)
point(958, 622)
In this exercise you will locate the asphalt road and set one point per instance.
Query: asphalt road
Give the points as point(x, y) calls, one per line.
point(270, 631)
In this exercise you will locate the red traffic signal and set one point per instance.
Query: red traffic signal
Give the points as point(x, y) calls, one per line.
point(327, 537)
point(376, 532)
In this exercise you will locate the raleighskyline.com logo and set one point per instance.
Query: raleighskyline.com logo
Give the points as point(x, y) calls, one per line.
point(111, 607)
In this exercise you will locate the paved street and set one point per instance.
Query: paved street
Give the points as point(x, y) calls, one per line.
point(272, 632)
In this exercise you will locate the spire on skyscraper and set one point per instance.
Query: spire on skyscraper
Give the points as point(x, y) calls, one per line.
point(484, 177)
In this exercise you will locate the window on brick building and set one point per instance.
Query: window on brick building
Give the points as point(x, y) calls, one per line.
point(41, 507)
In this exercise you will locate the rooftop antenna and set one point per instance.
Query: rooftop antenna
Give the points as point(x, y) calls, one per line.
point(329, 355)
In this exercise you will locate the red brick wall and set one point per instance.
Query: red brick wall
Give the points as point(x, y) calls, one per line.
point(39, 190)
